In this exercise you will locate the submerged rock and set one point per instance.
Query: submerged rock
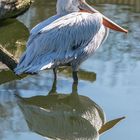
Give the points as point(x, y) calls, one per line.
point(13, 8)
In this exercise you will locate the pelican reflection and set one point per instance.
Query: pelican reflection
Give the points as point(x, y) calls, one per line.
point(63, 116)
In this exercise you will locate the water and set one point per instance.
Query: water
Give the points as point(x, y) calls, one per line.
point(110, 78)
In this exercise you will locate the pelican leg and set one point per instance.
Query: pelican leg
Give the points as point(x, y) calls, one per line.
point(53, 89)
point(55, 74)
point(75, 77)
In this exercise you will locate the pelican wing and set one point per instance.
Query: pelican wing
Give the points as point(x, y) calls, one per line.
point(43, 24)
point(60, 42)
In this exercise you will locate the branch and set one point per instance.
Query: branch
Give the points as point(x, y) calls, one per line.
point(7, 59)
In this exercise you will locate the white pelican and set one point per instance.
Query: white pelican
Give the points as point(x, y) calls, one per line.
point(65, 39)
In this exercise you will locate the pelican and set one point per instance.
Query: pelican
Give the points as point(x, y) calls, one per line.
point(66, 39)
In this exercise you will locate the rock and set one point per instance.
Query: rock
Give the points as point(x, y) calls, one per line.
point(13, 8)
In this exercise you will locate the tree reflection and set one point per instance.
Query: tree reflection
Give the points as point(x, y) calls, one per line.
point(135, 4)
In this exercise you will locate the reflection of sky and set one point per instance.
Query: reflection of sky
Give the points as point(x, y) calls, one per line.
point(117, 65)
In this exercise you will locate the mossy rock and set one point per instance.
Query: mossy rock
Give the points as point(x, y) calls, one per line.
point(13, 8)
point(13, 36)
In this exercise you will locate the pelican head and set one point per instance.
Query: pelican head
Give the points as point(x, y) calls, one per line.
point(68, 6)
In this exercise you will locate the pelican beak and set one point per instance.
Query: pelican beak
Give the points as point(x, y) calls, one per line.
point(84, 7)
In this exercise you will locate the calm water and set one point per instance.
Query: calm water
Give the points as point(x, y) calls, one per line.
point(110, 78)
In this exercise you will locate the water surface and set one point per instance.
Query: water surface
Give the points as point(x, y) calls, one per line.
point(111, 77)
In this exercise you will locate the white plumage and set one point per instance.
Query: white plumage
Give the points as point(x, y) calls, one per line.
point(53, 44)
point(68, 38)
